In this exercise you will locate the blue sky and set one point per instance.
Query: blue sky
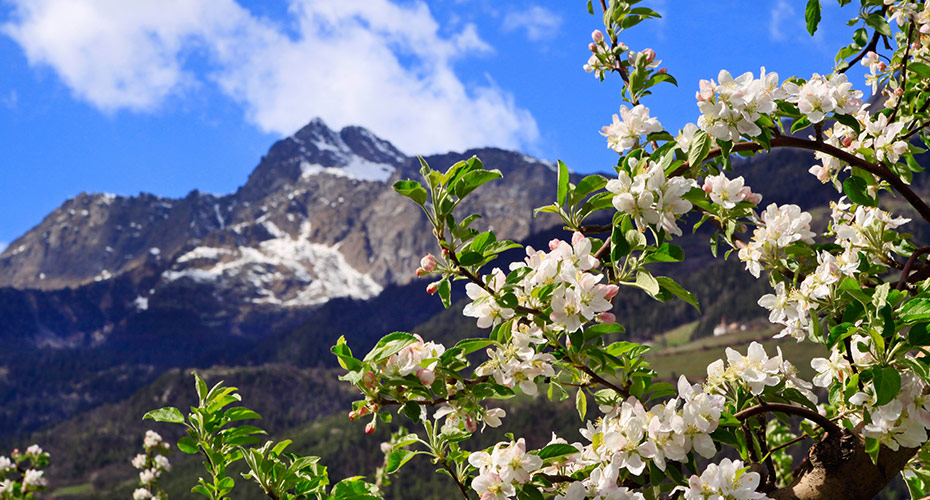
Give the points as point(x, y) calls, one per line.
point(166, 96)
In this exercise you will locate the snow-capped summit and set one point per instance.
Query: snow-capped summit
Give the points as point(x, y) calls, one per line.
point(316, 220)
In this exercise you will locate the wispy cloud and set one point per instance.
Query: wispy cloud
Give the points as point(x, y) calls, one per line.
point(782, 13)
point(388, 66)
point(539, 23)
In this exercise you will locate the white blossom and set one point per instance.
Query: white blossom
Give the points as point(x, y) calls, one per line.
point(626, 129)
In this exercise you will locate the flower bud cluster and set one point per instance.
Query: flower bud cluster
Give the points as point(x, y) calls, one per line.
point(731, 108)
point(779, 227)
point(727, 193)
point(866, 229)
point(603, 57)
point(26, 465)
point(517, 362)
point(755, 371)
point(727, 480)
point(152, 464)
point(650, 197)
point(507, 465)
point(625, 130)
point(824, 94)
point(419, 358)
point(902, 422)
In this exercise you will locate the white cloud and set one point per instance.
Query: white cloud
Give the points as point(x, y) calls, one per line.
point(382, 65)
point(782, 14)
point(3, 246)
point(538, 22)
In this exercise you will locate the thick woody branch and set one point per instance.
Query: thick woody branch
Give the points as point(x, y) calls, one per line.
point(800, 411)
point(838, 468)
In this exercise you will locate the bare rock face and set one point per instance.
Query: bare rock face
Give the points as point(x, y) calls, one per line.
point(317, 219)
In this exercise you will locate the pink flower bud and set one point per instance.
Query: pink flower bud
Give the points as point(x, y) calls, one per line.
point(597, 36)
point(554, 243)
point(592, 47)
point(432, 287)
point(421, 272)
point(706, 90)
point(847, 141)
point(427, 377)
point(662, 71)
point(428, 263)
point(707, 187)
point(611, 291)
point(754, 198)
point(361, 412)
point(650, 55)
point(607, 318)
point(882, 66)
point(353, 415)
point(576, 237)
point(370, 427)
point(470, 424)
point(899, 91)
point(445, 252)
point(369, 378)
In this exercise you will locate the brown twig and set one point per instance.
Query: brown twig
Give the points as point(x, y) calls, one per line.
point(873, 43)
point(597, 378)
point(910, 263)
point(907, 51)
point(800, 411)
point(455, 477)
point(476, 280)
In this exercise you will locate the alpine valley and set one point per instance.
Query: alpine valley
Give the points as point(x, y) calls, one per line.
point(110, 301)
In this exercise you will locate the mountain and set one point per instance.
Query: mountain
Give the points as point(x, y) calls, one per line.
point(127, 286)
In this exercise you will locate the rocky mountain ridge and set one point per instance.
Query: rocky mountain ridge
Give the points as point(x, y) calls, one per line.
point(316, 220)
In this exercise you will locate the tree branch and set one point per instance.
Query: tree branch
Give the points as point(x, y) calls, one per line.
point(800, 411)
point(910, 263)
point(796, 142)
point(873, 44)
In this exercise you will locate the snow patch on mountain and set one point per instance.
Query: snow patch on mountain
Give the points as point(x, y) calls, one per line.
point(355, 168)
point(283, 271)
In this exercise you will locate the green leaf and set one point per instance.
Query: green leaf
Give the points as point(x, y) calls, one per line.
point(187, 445)
point(470, 258)
point(472, 180)
point(581, 403)
point(878, 22)
point(666, 283)
point(919, 335)
point(397, 459)
point(920, 68)
point(915, 311)
point(812, 15)
point(647, 282)
point(445, 292)
point(855, 189)
point(413, 190)
point(481, 241)
point(469, 346)
point(389, 345)
point(563, 184)
point(202, 490)
point(699, 147)
point(168, 414)
point(240, 413)
point(344, 355)
point(887, 382)
point(556, 450)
